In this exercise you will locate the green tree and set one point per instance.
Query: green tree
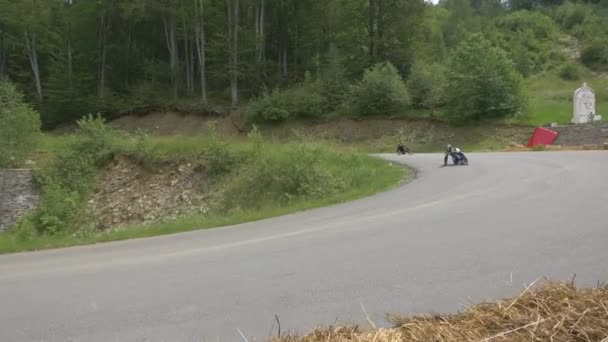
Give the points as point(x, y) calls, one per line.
point(382, 91)
point(19, 126)
point(461, 22)
point(529, 38)
point(482, 82)
point(426, 86)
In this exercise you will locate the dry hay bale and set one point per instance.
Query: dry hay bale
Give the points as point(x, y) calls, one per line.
point(515, 147)
point(556, 312)
point(553, 147)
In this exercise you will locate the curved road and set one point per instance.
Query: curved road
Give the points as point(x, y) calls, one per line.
point(451, 236)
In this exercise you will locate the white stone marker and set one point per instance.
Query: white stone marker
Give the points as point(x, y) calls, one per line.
point(584, 106)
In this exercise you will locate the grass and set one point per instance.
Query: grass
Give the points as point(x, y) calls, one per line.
point(368, 175)
point(551, 98)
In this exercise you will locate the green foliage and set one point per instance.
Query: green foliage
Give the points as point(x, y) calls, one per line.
point(426, 85)
point(381, 92)
point(304, 101)
point(67, 181)
point(482, 82)
point(219, 158)
point(571, 14)
point(146, 95)
point(530, 39)
point(19, 126)
point(361, 174)
point(570, 71)
point(251, 176)
point(293, 172)
point(461, 22)
point(112, 57)
point(334, 84)
point(595, 53)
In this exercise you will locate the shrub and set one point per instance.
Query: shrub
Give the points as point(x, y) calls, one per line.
point(426, 85)
point(595, 53)
point(482, 82)
point(381, 92)
point(280, 174)
point(572, 14)
point(67, 181)
point(146, 95)
point(19, 126)
point(220, 158)
point(303, 101)
point(570, 71)
point(334, 82)
point(529, 39)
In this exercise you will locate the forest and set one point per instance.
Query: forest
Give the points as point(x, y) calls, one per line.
point(292, 58)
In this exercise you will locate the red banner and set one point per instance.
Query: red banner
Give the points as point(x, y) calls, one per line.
point(542, 136)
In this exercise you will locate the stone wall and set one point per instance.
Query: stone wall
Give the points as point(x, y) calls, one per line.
point(583, 134)
point(18, 195)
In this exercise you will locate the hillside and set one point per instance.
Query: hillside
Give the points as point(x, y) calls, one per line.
point(460, 59)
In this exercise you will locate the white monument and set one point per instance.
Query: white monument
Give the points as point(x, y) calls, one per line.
point(584, 105)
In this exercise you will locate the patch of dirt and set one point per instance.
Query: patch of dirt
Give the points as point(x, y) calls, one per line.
point(129, 194)
point(573, 47)
point(174, 123)
point(351, 130)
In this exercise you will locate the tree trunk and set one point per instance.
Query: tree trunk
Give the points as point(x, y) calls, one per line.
point(68, 50)
point(187, 60)
point(233, 33)
point(371, 28)
point(3, 53)
point(260, 41)
point(296, 51)
point(102, 51)
point(128, 58)
point(380, 46)
point(30, 43)
point(173, 52)
point(283, 41)
point(192, 64)
point(200, 47)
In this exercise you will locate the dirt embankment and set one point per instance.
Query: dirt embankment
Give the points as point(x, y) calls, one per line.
point(377, 134)
point(174, 123)
point(130, 194)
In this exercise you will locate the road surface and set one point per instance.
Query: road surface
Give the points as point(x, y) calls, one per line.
point(452, 236)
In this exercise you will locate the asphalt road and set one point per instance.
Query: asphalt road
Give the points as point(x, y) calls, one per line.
point(452, 236)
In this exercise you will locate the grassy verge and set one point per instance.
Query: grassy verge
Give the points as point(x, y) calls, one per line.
point(248, 181)
point(551, 98)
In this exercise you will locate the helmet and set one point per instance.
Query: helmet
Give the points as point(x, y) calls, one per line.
point(448, 146)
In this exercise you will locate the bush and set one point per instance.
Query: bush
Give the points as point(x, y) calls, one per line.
point(595, 54)
point(571, 14)
point(426, 85)
point(220, 159)
point(381, 92)
point(482, 82)
point(303, 101)
point(290, 172)
point(145, 96)
point(67, 181)
point(570, 71)
point(529, 38)
point(19, 126)
point(334, 82)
